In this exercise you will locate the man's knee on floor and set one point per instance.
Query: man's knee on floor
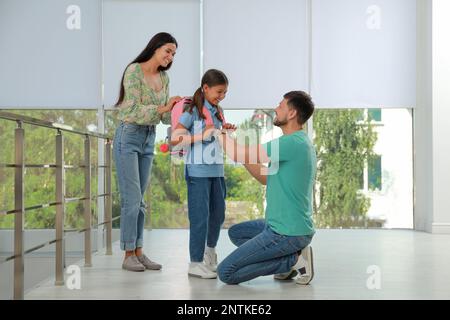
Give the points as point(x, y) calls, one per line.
point(232, 232)
point(222, 273)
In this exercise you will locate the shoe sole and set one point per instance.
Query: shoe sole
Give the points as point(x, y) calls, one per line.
point(290, 276)
point(133, 270)
point(153, 268)
point(312, 270)
point(197, 276)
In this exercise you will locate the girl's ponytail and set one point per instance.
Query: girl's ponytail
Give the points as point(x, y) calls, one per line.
point(197, 101)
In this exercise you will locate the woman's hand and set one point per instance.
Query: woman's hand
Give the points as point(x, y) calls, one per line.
point(173, 101)
point(168, 107)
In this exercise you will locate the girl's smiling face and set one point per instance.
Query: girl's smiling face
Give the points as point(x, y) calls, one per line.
point(215, 94)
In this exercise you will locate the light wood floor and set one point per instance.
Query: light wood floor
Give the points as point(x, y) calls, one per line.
point(412, 265)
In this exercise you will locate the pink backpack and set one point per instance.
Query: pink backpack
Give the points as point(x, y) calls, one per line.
point(177, 111)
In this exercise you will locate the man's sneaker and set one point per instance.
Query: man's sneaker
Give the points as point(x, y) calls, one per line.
point(149, 264)
point(210, 260)
point(306, 267)
point(199, 270)
point(132, 264)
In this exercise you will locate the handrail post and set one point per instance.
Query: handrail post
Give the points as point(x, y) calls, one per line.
point(59, 221)
point(87, 202)
point(108, 205)
point(19, 266)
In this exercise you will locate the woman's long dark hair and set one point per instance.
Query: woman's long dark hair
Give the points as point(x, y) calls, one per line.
point(211, 78)
point(156, 42)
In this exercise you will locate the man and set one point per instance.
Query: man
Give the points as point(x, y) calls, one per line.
point(278, 244)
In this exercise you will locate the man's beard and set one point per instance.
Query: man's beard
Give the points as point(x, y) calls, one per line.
point(279, 123)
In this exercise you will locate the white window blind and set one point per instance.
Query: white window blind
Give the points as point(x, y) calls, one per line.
point(364, 53)
point(50, 54)
point(261, 45)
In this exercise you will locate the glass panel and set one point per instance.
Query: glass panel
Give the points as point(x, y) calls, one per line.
point(40, 189)
point(40, 182)
point(364, 174)
point(364, 178)
point(365, 166)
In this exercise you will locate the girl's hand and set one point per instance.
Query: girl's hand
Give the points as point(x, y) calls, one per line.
point(229, 126)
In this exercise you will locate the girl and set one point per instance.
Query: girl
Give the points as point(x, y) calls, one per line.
point(204, 171)
point(143, 103)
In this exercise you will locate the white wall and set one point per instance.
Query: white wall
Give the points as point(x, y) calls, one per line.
point(432, 125)
point(441, 116)
point(422, 121)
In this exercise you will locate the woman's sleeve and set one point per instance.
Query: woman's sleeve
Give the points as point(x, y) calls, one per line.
point(166, 116)
point(131, 108)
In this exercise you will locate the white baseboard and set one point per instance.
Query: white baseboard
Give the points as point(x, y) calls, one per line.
point(440, 228)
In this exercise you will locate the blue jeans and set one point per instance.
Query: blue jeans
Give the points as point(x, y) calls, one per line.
point(260, 252)
point(206, 210)
point(133, 155)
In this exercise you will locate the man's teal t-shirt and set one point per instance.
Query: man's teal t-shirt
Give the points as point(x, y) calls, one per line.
point(290, 184)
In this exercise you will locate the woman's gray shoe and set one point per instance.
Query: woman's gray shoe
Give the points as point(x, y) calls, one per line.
point(132, 264)
point(149, 264)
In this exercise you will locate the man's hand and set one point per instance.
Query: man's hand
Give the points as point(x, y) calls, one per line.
point(229, 126)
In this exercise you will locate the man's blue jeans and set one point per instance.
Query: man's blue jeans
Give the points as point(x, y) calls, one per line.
point(206, 210)
point(133, 155)
point(260, 252)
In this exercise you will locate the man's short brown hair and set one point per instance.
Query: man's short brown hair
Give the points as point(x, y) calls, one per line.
point(302, 102)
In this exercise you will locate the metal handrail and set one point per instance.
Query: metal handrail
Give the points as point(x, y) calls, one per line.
point(19, 166)
point(46, 205)
point(44, 166)
point(51, 125)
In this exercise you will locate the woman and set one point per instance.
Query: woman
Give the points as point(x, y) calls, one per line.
point(143, 103)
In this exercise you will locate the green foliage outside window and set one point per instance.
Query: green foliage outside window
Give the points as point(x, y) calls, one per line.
point(40, 183)
point(343, 141)
point(344, 144)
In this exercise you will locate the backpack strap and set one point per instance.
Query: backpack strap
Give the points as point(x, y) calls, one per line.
point(209, 120)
